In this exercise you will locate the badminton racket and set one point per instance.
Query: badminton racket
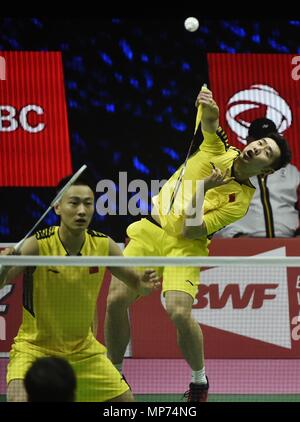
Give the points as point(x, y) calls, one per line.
point(182, 171)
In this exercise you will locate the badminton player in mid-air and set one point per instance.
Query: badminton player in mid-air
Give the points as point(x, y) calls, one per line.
point(183, 226)
point(59, 302)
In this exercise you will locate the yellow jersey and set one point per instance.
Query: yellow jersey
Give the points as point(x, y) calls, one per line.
point(59, 302)
point(222, 205)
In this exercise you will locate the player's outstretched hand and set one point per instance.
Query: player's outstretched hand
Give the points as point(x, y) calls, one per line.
point(8, 251)
point(217, 178)
point(209, 106)
point(149, 281)
point(4, 268)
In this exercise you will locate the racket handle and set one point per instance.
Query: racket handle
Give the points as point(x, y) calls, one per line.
point(199, 111)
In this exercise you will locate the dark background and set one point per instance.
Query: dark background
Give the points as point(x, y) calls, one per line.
point(130, 86)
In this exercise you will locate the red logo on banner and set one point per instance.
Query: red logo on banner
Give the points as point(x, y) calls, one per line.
point(34, 138)
point(249, 86)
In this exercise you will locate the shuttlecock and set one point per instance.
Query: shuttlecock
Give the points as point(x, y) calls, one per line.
point(191, 24)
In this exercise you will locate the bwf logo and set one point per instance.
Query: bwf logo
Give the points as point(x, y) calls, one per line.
point(2, 69)
point(248, 301)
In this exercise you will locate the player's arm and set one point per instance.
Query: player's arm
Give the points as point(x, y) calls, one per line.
point(194, 226)
point(7, 274)
point(143, 284)
point(208, 111)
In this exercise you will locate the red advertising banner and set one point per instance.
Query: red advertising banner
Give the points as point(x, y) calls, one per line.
point(249, 86)
point(34, 137)
point(10, 313)
point(245, 312)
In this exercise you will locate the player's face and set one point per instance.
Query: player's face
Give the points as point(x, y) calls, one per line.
point(260, 155)
point(76, 207)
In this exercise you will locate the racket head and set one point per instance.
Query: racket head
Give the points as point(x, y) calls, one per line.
point(67, 185)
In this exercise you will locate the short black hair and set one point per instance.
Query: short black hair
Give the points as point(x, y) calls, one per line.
point(50, 379)
point(83, 180)
point(260, 128)
point(285, 151)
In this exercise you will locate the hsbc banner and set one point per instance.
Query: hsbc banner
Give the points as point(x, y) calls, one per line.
point(34, 137)
point(245, 312)
point(249, 86)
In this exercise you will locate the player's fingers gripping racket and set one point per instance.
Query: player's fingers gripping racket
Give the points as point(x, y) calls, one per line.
point(182, 171)
point(18, 246)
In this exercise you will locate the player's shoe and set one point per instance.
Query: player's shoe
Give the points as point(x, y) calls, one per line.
point(197, 392)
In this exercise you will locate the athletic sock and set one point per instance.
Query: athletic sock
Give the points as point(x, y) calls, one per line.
point(198, 377)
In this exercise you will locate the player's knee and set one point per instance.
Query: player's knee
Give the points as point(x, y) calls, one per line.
point(119, 295)
point(179, 315)
point(118, 300)
point(16, 391)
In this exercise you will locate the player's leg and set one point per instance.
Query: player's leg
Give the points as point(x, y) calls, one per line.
point(16, 391)
point(145, 237)
point(189, 334)
point(97, 378)
point(190, 341)
point(18, 365)
point(180, 286)
point(117, 326)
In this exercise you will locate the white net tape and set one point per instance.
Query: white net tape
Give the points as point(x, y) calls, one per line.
point(117, 261)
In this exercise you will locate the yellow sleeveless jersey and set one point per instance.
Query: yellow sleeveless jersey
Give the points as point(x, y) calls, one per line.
point(222, 205)
point(59, 302)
